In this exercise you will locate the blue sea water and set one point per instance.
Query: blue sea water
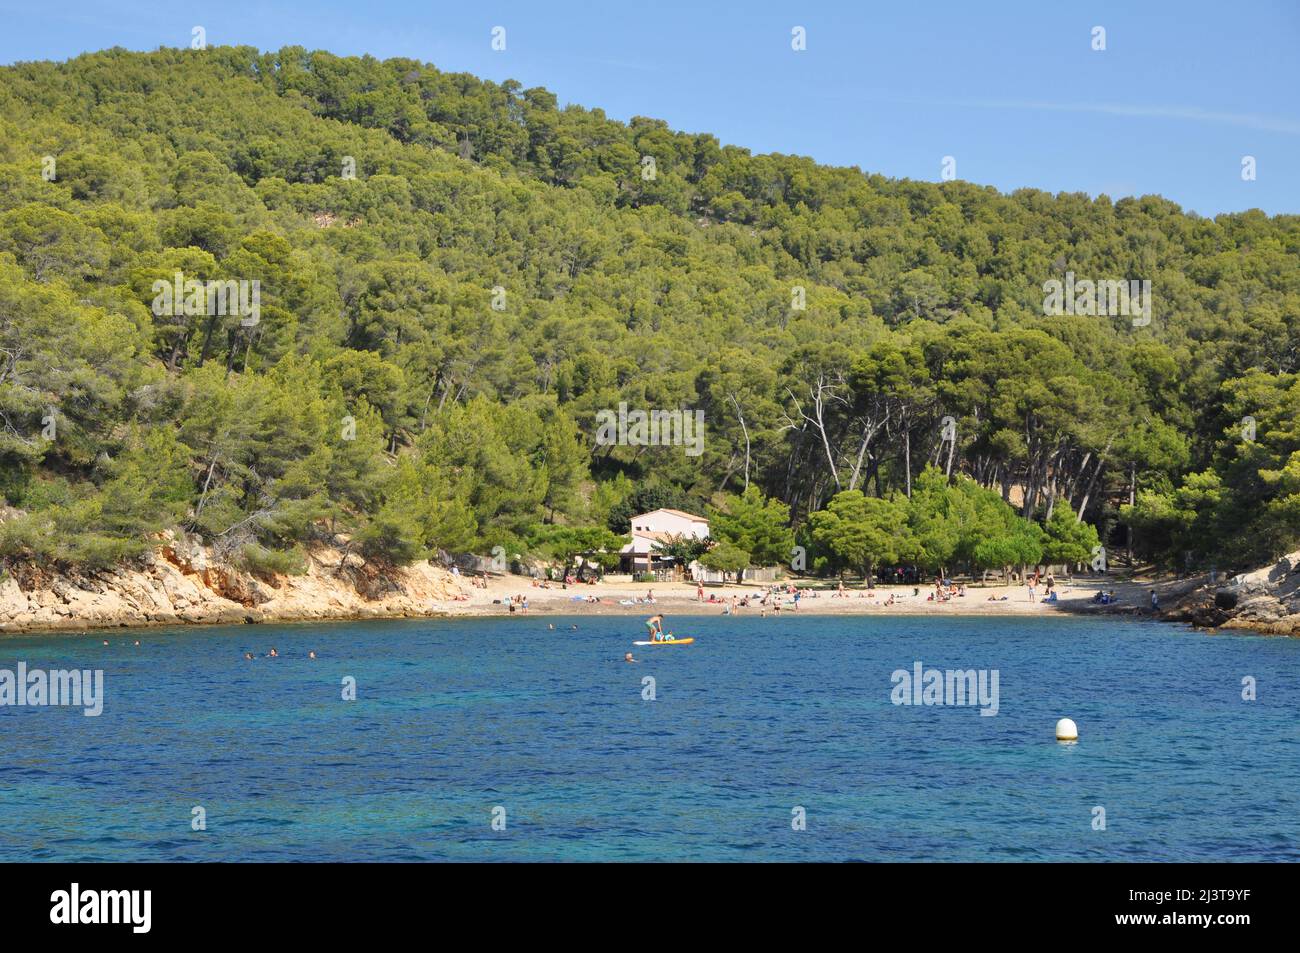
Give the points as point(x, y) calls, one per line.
point(454, 718)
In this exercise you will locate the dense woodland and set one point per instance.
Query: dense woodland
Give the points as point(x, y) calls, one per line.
point(438, 333)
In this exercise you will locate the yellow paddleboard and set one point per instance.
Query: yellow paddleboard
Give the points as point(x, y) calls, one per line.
point(669, 642)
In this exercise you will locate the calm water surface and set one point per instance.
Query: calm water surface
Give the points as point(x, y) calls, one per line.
point(455, 718)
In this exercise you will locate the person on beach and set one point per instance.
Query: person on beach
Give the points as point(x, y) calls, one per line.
point(699, 592)
point(1155, 601)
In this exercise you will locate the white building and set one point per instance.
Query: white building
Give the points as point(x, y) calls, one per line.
point(658, 526)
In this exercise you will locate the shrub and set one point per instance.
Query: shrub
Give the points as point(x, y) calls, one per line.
point(273, 562)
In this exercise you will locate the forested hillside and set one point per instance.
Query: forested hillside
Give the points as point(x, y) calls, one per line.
point(438, 333)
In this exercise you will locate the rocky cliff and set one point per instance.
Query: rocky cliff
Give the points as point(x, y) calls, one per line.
point(1266, 600)
point(183, 583)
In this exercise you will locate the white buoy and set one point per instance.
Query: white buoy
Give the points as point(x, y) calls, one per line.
point(1066, 730)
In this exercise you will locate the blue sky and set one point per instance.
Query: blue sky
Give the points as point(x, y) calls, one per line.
point(1015, 94)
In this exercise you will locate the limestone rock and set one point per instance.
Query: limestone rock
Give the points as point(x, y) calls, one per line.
point(182, 582)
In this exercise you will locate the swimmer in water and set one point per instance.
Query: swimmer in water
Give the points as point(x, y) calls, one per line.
point(628, 657)
point(248, 656)
point(550, 625)
point(273, 653)
point(137, 641)
point(574, 628)
point(106, 641)
point(311, 654)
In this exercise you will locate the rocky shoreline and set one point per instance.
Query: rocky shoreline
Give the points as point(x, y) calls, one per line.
point(181, 583)
point(1266, 601)
point(184, 584)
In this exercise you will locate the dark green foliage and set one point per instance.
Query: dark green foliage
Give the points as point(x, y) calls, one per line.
point(438, 334)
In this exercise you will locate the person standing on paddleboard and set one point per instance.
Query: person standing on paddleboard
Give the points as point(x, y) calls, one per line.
point(656, 626)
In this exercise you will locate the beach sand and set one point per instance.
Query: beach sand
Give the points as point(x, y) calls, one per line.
point(681, 599)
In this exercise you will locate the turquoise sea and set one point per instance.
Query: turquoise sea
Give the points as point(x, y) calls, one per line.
point(458, 721)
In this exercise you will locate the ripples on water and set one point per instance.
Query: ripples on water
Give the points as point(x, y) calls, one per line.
point(454, 718)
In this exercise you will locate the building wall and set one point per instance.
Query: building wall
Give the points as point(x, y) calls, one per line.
point(661, 522)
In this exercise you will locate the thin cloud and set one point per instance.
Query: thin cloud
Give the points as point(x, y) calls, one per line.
point(1189, 113)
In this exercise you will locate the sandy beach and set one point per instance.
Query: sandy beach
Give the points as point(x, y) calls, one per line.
point(820, 598)
point(185, 585)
